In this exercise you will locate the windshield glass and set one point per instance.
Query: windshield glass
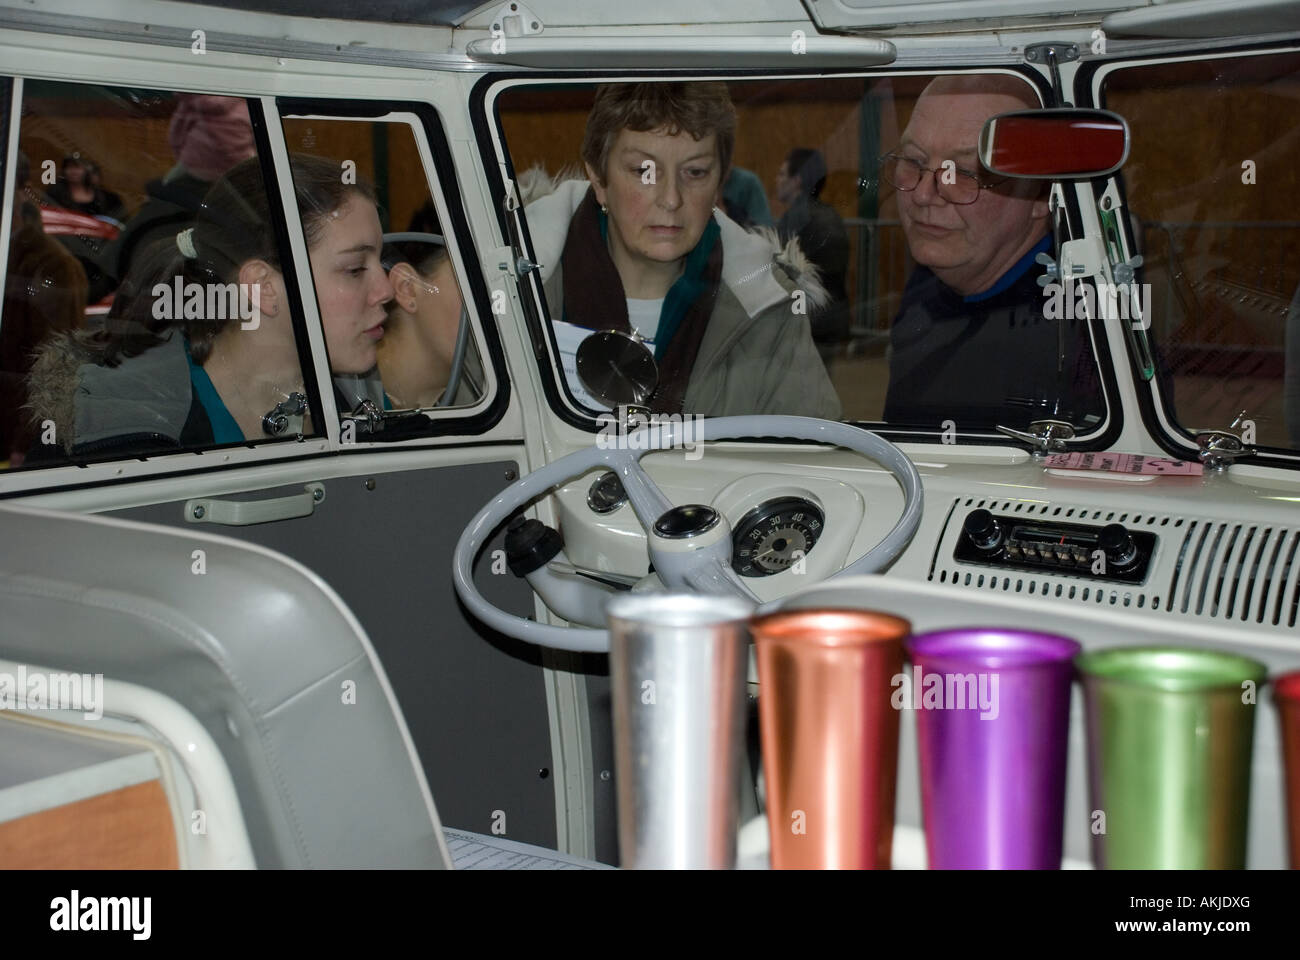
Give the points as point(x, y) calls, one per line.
point(1214, 196)
point(827, 247)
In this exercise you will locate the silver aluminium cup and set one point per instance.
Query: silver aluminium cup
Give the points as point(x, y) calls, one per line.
point(678, 666)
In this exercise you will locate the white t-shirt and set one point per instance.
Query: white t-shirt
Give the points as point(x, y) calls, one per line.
point(644, 317)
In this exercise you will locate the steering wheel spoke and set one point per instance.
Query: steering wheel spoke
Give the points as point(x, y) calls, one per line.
point(648, 501)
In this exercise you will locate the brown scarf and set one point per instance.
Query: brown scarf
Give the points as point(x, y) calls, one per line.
point(594, 298)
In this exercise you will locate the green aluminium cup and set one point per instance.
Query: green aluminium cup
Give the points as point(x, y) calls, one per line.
point(1169, 751)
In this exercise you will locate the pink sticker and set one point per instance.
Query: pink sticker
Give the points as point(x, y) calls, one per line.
point(1125, 463)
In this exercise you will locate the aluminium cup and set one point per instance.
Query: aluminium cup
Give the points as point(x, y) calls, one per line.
point(829, 735)
point(1169, 753)
point(678, 667)
point(993, 728)
point(1286, 696)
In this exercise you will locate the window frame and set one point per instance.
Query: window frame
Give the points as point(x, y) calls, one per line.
point(273, 159)
point(74, 474)
point(499, 169)
point(439, 171)
point(1156, 415)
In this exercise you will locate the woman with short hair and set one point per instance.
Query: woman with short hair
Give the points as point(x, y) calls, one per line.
point(641, 245)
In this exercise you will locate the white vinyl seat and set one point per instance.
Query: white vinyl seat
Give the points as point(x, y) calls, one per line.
point(269, 661)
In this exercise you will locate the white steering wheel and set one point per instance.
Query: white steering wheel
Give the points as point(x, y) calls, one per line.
point(690, 545)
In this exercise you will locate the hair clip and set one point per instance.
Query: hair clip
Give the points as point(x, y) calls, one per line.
point(185, 243)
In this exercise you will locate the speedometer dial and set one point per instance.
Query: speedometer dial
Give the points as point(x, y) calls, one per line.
point(774, 536)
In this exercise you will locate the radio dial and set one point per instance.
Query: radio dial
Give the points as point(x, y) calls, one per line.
point(1117, 545)
point(984, 531)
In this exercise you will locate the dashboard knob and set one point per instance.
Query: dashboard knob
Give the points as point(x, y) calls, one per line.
point(983, 530)
point(1117, 545)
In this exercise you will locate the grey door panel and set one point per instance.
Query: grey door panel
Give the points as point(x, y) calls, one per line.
point(475, 701)
point(605, 798)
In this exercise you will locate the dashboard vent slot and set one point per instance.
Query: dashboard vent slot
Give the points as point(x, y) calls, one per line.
point(1235, 572)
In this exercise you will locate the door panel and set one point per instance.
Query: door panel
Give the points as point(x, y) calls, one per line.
point(475, 701)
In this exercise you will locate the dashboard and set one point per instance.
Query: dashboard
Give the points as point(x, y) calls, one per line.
point(1220, 548)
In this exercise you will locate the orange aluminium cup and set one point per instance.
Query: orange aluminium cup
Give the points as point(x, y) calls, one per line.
point(829, 735)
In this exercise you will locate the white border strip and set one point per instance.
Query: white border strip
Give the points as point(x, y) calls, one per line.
point(8, 185)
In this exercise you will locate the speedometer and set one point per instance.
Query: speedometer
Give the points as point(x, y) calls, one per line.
point(774, 536)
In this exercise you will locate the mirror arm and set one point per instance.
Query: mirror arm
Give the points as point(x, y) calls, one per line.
point(1053, 54)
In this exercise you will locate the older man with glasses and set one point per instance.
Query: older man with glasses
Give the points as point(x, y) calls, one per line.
point(971, 343)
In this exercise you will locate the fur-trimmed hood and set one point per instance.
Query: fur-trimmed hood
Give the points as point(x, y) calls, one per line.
point(52, 383)
point(756, 266)
point(89, 403)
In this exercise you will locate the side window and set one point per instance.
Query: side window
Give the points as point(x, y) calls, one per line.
point(396, 322)
point(144, 307)
point(825, 247)
point(1213, 194)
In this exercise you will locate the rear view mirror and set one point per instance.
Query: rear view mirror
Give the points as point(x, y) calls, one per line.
point(1054, 144)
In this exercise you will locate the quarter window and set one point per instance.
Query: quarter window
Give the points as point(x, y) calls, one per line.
point(396, 321)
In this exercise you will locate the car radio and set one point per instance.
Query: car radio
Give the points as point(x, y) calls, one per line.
point(1110, 552)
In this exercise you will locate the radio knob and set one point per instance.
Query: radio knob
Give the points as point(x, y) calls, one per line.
point(1117, 545)
point(983, 530)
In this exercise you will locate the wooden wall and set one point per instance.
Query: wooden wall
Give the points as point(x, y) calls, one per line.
point(544, 127)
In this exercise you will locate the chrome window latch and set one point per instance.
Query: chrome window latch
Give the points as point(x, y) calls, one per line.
point(1218, 449)
point(371, 413)
point(276, 420)
point(1043, 436)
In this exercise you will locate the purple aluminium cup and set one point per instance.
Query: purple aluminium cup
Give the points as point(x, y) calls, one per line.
point(993, 721)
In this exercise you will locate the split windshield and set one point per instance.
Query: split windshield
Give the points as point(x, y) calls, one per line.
point(1213, 194)
point(823, 247)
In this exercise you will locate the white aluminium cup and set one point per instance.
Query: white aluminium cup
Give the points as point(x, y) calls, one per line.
point(678, 665)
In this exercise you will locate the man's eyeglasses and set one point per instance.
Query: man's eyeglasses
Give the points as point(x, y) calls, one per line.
point(953, 184)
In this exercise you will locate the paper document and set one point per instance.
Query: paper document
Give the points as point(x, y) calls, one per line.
point(478, 851)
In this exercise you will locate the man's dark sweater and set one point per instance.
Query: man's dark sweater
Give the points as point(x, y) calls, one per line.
point(990, 358)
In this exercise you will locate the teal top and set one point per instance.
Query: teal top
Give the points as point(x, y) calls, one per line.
point(224, 427)
point(685, 290)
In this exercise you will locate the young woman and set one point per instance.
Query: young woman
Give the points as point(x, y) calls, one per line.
point(417, 357)
point(641, 245)
point(172, 371)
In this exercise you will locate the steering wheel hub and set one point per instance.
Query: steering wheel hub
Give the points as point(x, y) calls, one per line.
point(688, 520)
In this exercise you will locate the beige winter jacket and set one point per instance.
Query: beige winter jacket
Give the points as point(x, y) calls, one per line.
point(757, 356)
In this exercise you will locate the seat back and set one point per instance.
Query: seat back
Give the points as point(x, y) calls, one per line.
point(260, 650)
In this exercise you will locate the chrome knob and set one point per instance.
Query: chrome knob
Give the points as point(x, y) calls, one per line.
point(1043, 436)
point(1217, 449)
